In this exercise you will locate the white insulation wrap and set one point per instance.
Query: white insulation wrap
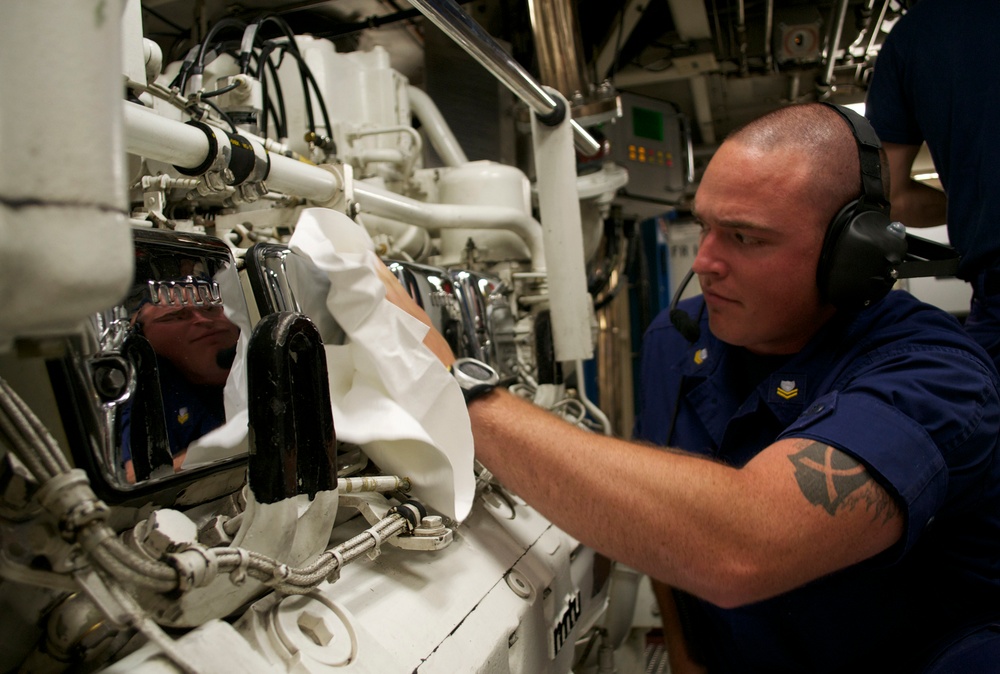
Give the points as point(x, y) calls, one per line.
point(562, 232)
point(65, 244)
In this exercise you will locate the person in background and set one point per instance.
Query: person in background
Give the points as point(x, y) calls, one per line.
point(936, 81)
point(820, 486)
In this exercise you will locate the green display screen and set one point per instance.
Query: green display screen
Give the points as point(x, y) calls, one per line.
point(647, 124)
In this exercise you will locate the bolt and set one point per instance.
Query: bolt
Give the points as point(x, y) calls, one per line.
point(109, 381)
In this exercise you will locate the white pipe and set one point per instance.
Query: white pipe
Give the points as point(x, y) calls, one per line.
point(382, 155)
point(452, 216)
point(149, 135)
point(581, 389)
point(442, 138)
point(703, 108)
point(768, 35)
point(406, 160)
point(409, 239)
point(291, 176)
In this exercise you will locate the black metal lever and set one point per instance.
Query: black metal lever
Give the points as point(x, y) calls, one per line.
point(292, 436)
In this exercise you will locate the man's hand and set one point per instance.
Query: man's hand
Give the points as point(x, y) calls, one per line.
point(396, 293)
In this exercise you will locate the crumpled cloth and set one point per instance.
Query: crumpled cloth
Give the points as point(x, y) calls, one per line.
point(390, 394)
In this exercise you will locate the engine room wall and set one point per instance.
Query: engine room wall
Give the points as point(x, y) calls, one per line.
point(479, 109)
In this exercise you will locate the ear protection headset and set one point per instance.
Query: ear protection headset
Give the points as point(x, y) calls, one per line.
point(862, 247)
point(864, 252)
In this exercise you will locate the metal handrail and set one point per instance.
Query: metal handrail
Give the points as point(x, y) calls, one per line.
point(456, 23)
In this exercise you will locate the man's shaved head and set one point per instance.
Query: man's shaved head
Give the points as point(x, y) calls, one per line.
point(823, 136)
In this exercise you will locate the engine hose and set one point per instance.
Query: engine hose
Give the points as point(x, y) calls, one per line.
point(65, 492)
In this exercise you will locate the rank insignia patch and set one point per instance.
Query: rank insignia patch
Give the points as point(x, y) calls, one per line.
point(787, 389)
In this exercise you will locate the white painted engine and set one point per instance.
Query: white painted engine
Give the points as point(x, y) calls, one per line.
point(318, 507)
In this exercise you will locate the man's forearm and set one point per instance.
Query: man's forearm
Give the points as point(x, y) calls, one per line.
point(919, 205)
point(729, 535)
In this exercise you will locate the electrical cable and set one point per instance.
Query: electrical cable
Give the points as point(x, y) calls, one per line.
point(690, 329)
point(305, 74)
point(218, 92)
point(262, 60)
point(246, 47)
point(226, 118)
point(282, 129)
point(308, 77)
point(28, 431)
point(15, 431)
point(186, 63)
point(269, 111)
point(199, 64)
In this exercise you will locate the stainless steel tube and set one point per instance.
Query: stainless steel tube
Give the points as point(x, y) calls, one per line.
point(460, 27)
point(837, 29)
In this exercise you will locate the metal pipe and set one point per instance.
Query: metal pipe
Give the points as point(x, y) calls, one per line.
point(149, 135)
point(877, 27)
point(434, 125)
point(555, 27)
point(863, 31)
point(460, 27)
point(294, 177)
point(595, 411)
point(381, 202)
point(768, 35)
point(741, 34)
point(718, 29)
point(831, 52)
point(373, 483)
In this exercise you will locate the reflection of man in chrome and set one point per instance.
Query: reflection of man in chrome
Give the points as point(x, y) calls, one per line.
point(195, 348)
point(198, 340)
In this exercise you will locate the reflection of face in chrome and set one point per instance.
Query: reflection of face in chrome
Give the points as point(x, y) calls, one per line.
point(198, 340)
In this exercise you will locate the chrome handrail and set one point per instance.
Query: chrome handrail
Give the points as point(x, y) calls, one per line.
point(456, 23)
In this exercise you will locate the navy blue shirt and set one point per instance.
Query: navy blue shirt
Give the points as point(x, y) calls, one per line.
point(190, 410)
point(903, 389)
point(936, 80)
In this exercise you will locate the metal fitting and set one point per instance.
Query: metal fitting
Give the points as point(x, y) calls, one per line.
point(69, 498)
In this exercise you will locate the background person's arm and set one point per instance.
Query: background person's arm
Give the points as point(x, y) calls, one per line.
point(913, 203)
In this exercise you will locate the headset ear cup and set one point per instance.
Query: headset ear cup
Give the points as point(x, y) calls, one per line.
point(858, 257)
point(831, 250)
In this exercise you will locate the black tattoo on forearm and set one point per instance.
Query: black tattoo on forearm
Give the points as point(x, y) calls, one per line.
point(834, 480)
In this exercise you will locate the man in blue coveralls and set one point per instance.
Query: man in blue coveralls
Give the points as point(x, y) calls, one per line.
point(928, 85)
point(830, 498)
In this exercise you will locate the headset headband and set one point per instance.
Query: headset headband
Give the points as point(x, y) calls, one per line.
point(872, 189)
